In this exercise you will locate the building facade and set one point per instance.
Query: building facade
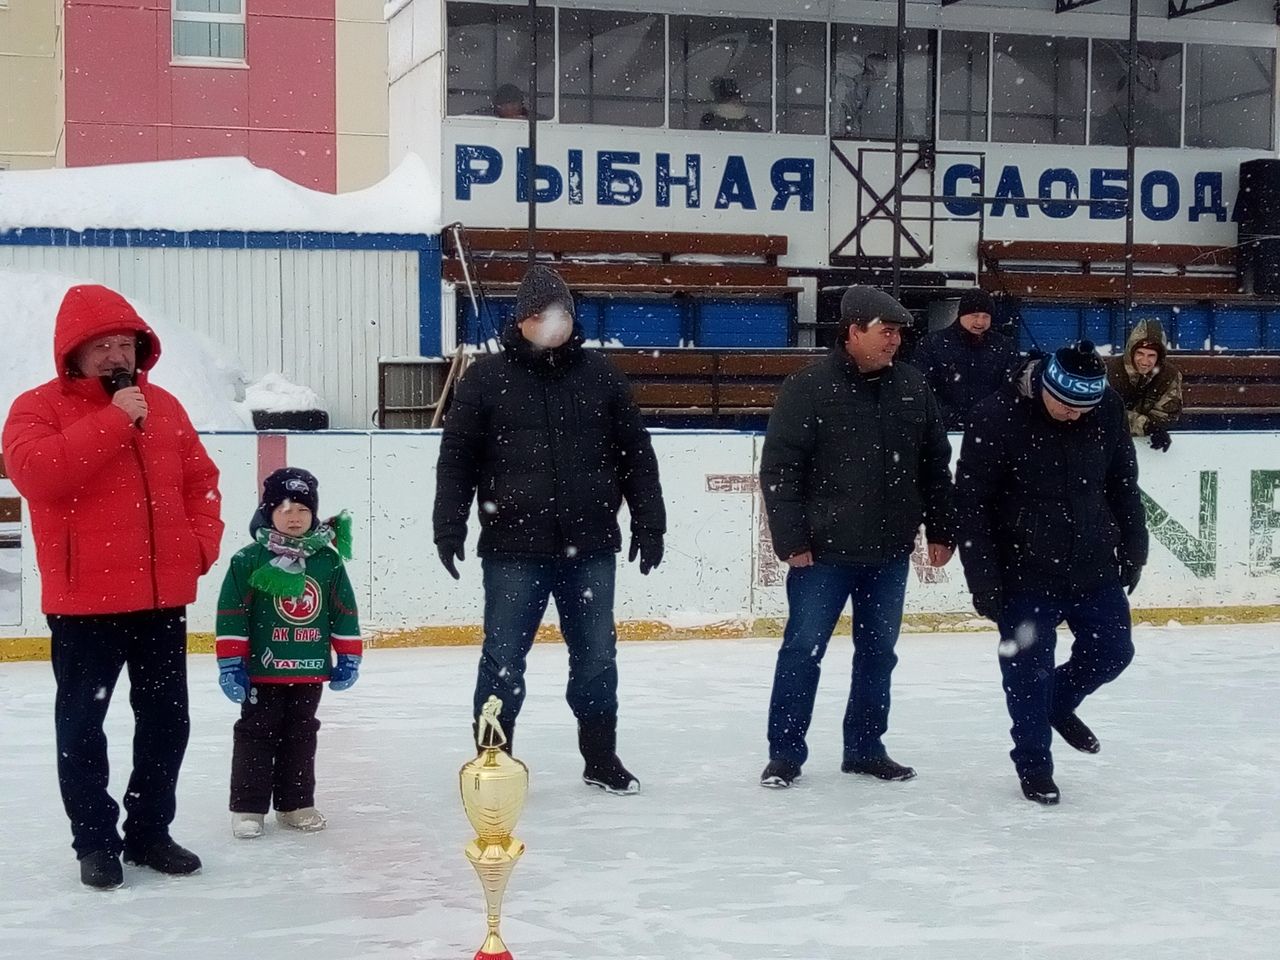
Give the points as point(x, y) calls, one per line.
point(297, 88)
point(778, 117)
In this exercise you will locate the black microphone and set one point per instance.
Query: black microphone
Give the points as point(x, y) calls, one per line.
point(117, 380)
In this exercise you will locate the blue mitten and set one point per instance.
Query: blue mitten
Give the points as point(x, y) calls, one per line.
point(346, 673)
point(233, 678)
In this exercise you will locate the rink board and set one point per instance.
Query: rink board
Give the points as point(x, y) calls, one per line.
point(1213, 504)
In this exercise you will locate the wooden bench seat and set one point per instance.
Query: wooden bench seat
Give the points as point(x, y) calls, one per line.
point(620, 261)
point(1074, 270)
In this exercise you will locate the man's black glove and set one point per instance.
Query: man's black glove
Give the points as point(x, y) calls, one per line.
point(1160, 439)
point(1130, 574)
point(989, 604)
point(449, 549)
point(648, 545)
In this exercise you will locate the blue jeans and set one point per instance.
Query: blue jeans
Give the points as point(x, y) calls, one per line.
point(816, 595)
point(516, 591)
point(1038, 694)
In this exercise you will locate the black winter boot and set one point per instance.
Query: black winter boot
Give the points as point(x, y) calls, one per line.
point(598, 741)
point(1040, 788)
point(882, 768)
point(101, 870)
point(1073, 730)
point(779, 774)
point(163, 856)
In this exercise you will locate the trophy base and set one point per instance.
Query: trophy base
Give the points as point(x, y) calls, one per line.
point(504, 955)
point(493, 949)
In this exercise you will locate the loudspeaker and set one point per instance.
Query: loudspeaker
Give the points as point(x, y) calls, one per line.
point(1259, 201)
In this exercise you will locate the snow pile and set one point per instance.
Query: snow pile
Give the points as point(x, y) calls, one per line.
point(274, 394)
point(190, 367)
point(214, 193)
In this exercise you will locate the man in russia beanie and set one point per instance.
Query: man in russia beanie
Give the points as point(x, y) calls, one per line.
point(1074, 377)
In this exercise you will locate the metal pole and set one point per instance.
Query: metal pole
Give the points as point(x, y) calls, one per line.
point(533, 131)
point(898, 131)
point(1130, 172)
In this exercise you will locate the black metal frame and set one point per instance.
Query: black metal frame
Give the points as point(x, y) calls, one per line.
point(1066, 6)
point(1185, 8)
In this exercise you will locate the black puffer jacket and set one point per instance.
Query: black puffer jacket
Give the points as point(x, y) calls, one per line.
point(852, 465)
point(1047, 506)
point(549, 443)
point(963, 369)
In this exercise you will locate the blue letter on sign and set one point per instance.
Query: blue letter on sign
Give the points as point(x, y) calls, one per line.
point(1172, 197)
point(792, 177)
point(548, 194)
point(955, 173)
point(1009, 190)
point(617, 188)
point(691, 181)
point(735, 185)
point(465, 157)
point(1103, 186)
point(1068, 178)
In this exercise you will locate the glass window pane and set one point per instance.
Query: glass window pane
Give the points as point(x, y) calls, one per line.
point(802, 77)
point(230, 6)
point(611, 67)
point(1157, 104)
point(191, 38)
point(194, 6)
point(1229, 96)
point(721, 74)
point(962, 110)
point(489, 54)
point(231, 41)
point(864, 76)
point(1038, 89)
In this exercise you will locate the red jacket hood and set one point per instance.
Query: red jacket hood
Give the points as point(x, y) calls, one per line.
point(90, 310)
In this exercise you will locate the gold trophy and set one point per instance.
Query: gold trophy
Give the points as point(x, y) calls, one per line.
point(494, 785)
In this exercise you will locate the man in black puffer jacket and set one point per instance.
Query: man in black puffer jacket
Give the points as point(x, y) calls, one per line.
point(547, 438)
point(855, 459)
point(967, 361)
point(1052, 529)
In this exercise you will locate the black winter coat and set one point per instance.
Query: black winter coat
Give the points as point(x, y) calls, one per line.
point(1047, 506)
point(851, 467)
point(549, 443)
point(963, 369)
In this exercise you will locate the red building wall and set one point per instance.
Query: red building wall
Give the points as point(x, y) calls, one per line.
point(125, 101)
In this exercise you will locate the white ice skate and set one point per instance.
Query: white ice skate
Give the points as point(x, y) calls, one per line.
point(307, 819)
point(246, 826)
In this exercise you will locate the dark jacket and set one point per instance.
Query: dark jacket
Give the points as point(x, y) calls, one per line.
point(549, 443)
point(852, 466)
point(1045, 506)
point(963, 369)
point(1153, 401)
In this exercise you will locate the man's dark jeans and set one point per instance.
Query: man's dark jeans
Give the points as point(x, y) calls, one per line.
point(88, 653)
point(1038, 694)
point(516, 592)
point(816, 595)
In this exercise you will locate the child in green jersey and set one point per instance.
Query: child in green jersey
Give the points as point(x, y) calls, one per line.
point(285, 602)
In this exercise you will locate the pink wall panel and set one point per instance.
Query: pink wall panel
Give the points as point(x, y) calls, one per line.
point(94, 143)
point(296, 91)
point(209, 96)
point(306, 158)
point(125, 101)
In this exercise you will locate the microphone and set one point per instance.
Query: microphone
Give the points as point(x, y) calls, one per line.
point(117, 380)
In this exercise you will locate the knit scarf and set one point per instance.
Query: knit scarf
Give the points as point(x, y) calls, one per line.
point(285, 575)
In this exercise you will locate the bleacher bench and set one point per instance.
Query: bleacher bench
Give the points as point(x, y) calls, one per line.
point(1224, 384)
point(1055, 269)
point(605, 261)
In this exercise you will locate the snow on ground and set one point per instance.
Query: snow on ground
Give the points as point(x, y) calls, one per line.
point(190, 366)
point(1166, 845)
point(214, 193)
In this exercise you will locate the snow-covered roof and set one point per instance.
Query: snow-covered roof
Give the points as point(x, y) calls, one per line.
point(214, 193)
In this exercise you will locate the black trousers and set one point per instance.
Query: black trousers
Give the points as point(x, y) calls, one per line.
point(275, 748)
point(88, 653)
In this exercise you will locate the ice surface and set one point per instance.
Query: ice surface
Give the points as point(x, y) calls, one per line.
point(1166, 845)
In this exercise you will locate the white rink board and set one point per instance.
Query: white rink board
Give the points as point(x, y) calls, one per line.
point(718, 567)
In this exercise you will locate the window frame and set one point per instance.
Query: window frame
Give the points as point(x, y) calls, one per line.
point(200, 16)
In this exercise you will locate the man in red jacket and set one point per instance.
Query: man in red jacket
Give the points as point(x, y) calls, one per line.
point(125, 511)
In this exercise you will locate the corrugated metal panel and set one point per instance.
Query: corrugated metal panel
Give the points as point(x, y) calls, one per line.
point(320, 317)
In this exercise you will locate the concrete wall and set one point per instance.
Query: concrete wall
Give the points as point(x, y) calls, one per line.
point(30, 105)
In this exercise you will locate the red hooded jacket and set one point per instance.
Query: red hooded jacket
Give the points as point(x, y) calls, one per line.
point(124, 519)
